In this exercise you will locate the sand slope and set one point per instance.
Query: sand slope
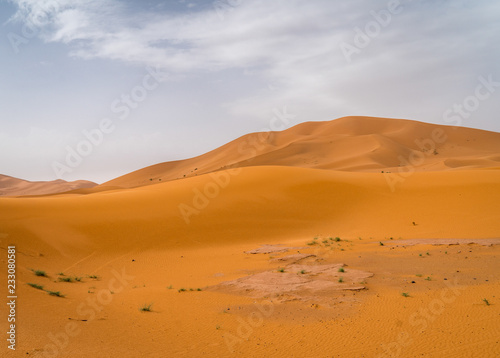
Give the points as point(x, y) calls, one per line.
point(199, 251)
point(349, 144)
point(10, 186)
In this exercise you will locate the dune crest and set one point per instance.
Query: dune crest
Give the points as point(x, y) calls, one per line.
point(354, 144)
point(10, 186)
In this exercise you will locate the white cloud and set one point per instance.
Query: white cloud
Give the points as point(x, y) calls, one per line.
point(287, 53)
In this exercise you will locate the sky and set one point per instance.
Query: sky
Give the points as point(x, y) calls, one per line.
point(94, 89)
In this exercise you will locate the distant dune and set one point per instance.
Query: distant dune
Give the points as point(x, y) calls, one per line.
point(355, 144)
point(10, 186)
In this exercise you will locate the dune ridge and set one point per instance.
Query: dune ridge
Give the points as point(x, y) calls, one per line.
point(357, 144)
point(10, 186)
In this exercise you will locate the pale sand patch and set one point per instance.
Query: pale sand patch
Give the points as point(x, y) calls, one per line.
point(412, 242)
point(319, 283)
point(272, 249)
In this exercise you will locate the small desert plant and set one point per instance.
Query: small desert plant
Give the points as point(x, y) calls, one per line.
point(420, 255)
point(78, 279)
point(181, 290)
point(341, 279)
point(337, 239)
point(198, 289)
point(341, 269)
point(65, 279)
point(310, 243)
point(34, 285)
point(93, 277)
point(302, 272)
point(40, 273)
point(405, 294)
point(61, 274)
point(281, 269)
point(381, 243)
point(427, 253)
point(170, 287)
point(418, 275)
point(146, 308)
point(217, 327)
point(428, 278)
point(55, 293)
point(486, 301)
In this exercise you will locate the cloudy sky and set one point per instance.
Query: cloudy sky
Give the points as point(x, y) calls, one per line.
point(93, 89)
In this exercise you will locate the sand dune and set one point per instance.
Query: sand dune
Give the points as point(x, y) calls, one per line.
point(10, 186)
point(305, 250)
point(364, 144)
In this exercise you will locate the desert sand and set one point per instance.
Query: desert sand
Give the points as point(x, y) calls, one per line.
point(10, 186)
point(358, 237)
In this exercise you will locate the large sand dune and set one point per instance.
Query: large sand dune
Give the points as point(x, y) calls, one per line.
point(363, 144)
point(193, 249)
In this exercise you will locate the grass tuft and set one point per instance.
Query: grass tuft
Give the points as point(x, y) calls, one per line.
point(341, 269)
point(146, 308)
point(55, 293)
point(486, 301)
point(40, 273)
point(405, 294)
point(34, 285)
point(341, 279)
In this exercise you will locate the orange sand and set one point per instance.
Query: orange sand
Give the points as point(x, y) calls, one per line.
point(145, 244)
